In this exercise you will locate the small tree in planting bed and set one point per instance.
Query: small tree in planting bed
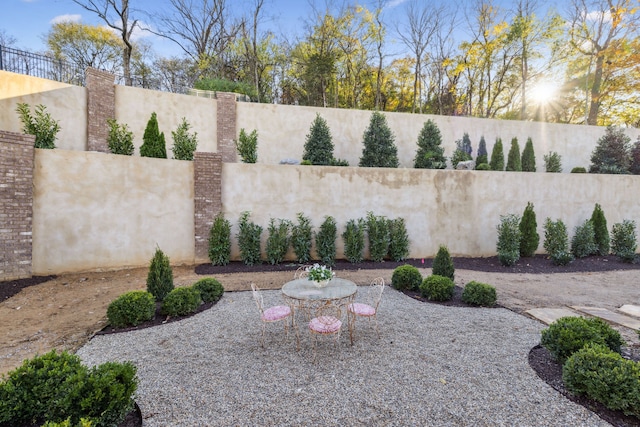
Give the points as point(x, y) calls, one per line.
point(463, 151)
point(153, 144)
point(353, 237)
point(624, 240)
point(378, 235)
point(529, 237)
point(508, 246)
point(249, 239)
point(482, 157)
point(379, 148)
point(184, 142)
point(278, 240)
point(42, 126)
point(556, 242)
point(513, 160)
point(553, 162)
point(600, 232)
point(430, 154)
point(497, 156)
point(160, 277)
point(120, 139)
point(318, 148)
point(399, 240)
point(326, 241)
point(247, 146)
point(443, 264)
point(528, 157)
point(634, 167)
point(301, 236)
point(220, 241)
point(583, 241)
point(611, 154)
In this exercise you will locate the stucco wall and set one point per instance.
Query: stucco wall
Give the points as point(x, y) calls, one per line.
point(282, 132)
point(94, 210)
point(134, 107)
point(66, 103)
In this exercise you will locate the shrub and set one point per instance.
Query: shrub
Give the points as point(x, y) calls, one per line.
point(497, 156)
point(378, 235)
point(459, 156)
point(508, 246)
point(153, 144)
point(210, 289)
point(553, 162)
point(443, 264)
point(338, 162)
point(326, 241)
point(624, 240)
point(184, 143)
point(634, 166)
point(131, 309)
point(249, 239)
point(437, 288)
point(399, 240)
point(318, 147)
point(224, 85)
point(605, 377)
point(583, 241)
point(578, 169)
point(514, 163)
point(220, 241)
point(430, 154)
point(278, 241)
point(482, 157)
point(529, 237)
point(160, 277)
point(181, 301)
point(120, 138)
point(247, 146)
point(601, 233)
point(301, 236)
point(379, 148)
point(481, 294)
point(483, 167)
point(567, 335)
point(353, 237)
point(611, 154)
point(556, 242)
point(528, 161)
point(57, 387)
point(42, 126)
point(406, 277)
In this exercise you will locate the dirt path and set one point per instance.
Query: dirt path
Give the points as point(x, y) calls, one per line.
point(63, 313)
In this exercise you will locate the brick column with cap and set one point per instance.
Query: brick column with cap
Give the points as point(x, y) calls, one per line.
point(226, 126)
point(207, 192)
point(101, 105)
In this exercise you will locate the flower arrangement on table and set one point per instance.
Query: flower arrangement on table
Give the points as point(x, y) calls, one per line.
point(320, 274)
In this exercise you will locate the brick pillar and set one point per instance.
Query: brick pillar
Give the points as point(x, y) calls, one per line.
point(16, 204)
point(226, 126)
point(101, 105)
point(207, 191)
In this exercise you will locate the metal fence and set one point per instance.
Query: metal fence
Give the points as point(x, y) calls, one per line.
point(37, 65)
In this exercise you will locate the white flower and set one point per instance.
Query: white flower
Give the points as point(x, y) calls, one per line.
point(319, 272)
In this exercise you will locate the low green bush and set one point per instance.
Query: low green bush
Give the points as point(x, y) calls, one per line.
point(184, 142)
point(181, 301)
point(220, 241)
point(437, 288)
point(406, 277)
point(443, 264)
point(604, 376)
point(481, 294)
point(624, 240)
point(131, 309)
point(120, 138)
point(160, 277)
point(338, 162)
point(556, 242)
point(247, 146)
point(579, 169)
point(210, 289)
point(583, 242)
point(567, 335)
point(508, 246)
point(483, 167)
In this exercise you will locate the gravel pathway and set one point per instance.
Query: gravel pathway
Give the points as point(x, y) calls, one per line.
point(433, 365)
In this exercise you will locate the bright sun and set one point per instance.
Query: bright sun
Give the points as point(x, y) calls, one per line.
point(543, 92)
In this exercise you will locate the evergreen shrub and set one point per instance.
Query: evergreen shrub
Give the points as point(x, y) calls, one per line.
point(480, 294)
point(553, 162)
point(508, 246)
point(353, 237)
point(528, 161)
point(379, 148)
point(153, 144)
point(624, 240)
point(497, 156)
point(318, 147)
point(483, 155)
point(338, 162)
point(399, 240)
point(181, 301)
point(601, 233)
point(220, 241)
point(326, 241)
point(514, 162)
point(278, 240)
point(184, 142)
point(437, 288)
point(583, 241)
point(443, 264)
point(247, 146)
point(556, 242)
point(483, 167)
point(131, 309)
point(160, 277)
point(612, 152)
point(578, 169)
point(529, 237)
point(120, 138)
point(378, 235)
point(249, 239)
point(430, 154)
point(406, 277)
point(301, 238)
point(210, 289)
point(634, 166)
point(42, 125)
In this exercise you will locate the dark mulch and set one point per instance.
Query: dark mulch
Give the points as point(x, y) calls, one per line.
point(12, 287)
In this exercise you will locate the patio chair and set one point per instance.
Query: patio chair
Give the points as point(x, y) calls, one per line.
point(325, 323)
point(272, 314)
point(368, 308)
point(301, 273)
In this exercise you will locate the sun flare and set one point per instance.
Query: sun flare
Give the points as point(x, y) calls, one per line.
point(543, 92)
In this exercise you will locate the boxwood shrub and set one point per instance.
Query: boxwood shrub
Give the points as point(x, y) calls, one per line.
point(181, 301)
point(210, 289)
point(131, 309)
point(481, 294)
point(406, 277)
point(437, 288)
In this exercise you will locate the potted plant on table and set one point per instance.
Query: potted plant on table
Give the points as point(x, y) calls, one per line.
point(320, 275)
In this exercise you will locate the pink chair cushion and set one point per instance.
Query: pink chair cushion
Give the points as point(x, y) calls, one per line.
point(362, 309)
point(325, 324)
point(275, 313)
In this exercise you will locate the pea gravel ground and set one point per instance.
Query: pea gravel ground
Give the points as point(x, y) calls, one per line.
point(433, 365)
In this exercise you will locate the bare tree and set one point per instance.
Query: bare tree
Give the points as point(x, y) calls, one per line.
point(250, 41)
point(6, 39)
point(115, 13)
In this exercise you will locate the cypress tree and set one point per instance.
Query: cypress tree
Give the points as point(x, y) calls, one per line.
point(497, 156)
point(318, 147)
point(160, 276)
point(529, 237)
point(379, 148)
point(443, 264)
point(430, 154)
point(600, 230)
point(528, 157)
point(482, 152)
point(513, 159)
point(153, 141)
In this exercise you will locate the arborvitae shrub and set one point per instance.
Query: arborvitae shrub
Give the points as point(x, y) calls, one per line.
point(301, 238)
point(604, 376)
point(569, 334)
point(249, 239)
point(528, 161)
point(181, 301)
point(553, 162)
point(611, 154)
point(210, 289)
point(247, 146)
point(430, 154)
point(437, 288)
point(42, 126)
point(131, 309)
point(378, 235)
point(624, 240)
point(278, 240)
point(443, 264)
point(184, 142)
point(353, 237)
point(326, 241)
point(120, 138)
point(480, 294)
point(483, 157)
point(318, 147)
point(379, 148)
point(153, 144)
point(601, 233)
point(508, 246)
point(578, 169)
point(556, 242)
point(160, 277)
point(497, 156)
point(220, 241)
point(513, 160)
point(406, 277)
point(529, 237)
point(399, 240)
point(583, 240)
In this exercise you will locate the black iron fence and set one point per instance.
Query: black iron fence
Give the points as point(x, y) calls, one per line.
point(37, 65)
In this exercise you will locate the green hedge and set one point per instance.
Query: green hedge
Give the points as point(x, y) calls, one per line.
point(131, 309)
